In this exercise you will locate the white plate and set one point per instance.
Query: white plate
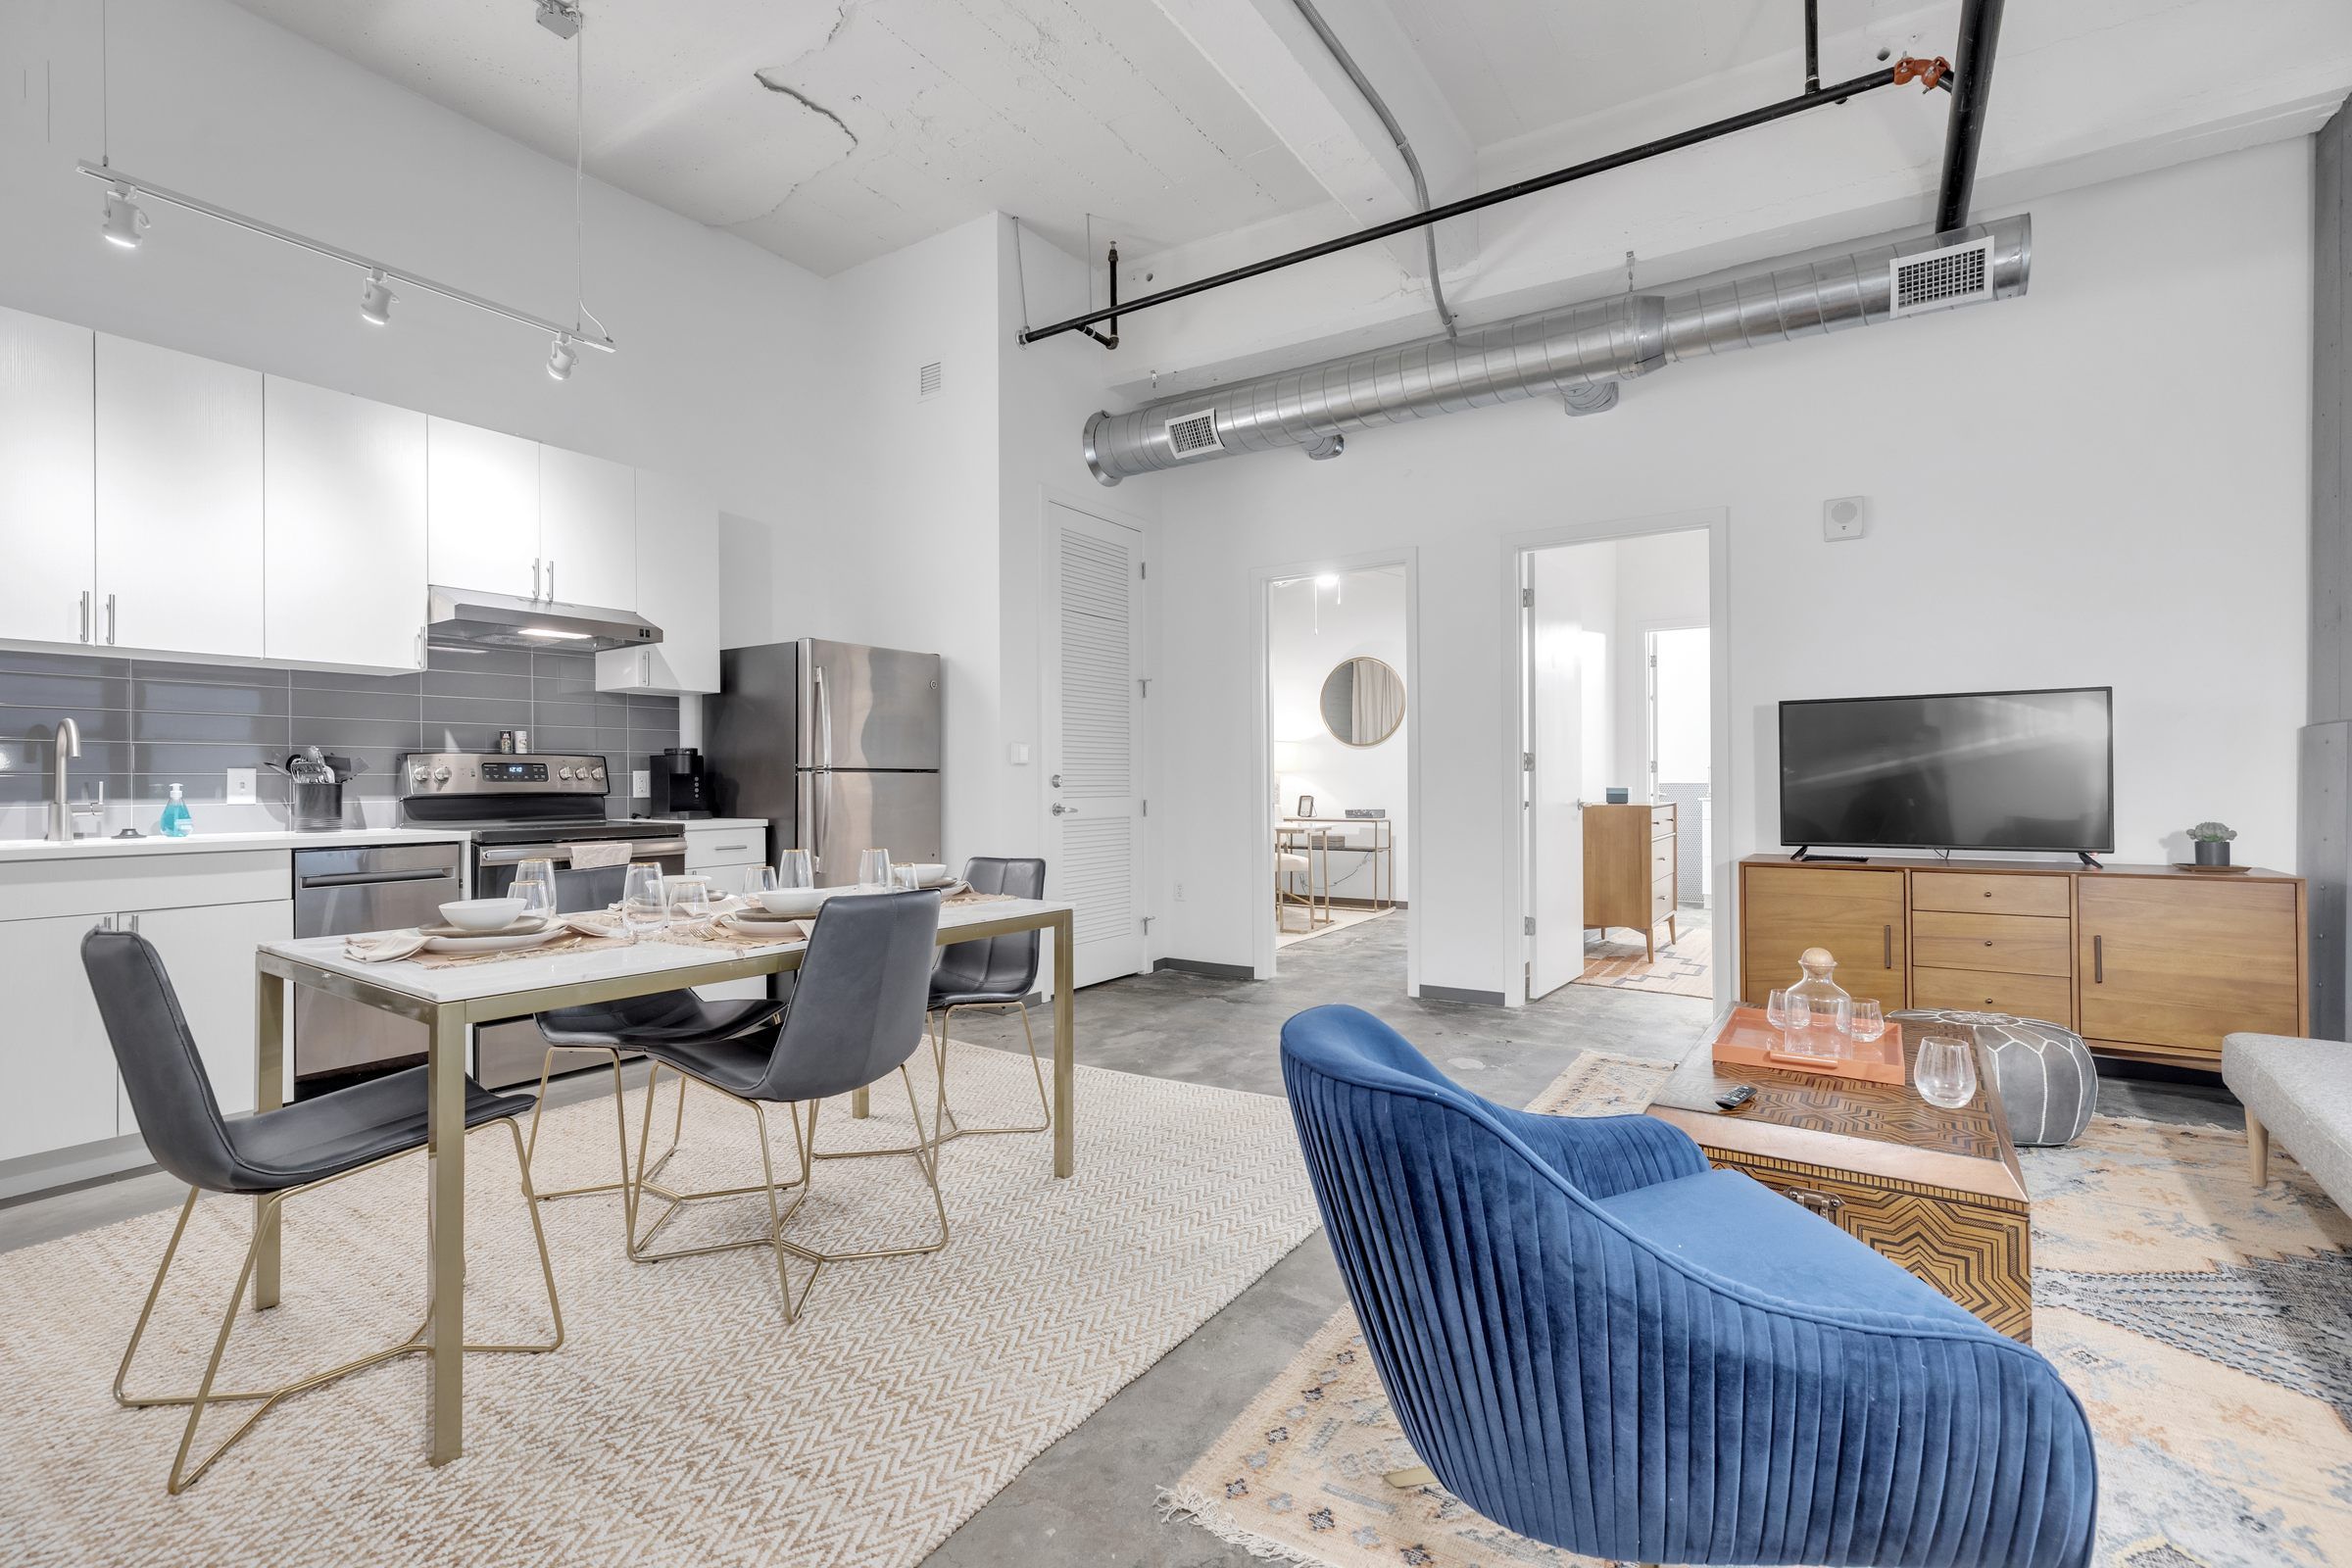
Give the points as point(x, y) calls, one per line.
point(524, 927)
point(513, 943)
point(796, 903)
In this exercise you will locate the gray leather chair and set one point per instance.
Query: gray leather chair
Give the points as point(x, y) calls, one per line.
point(855, 1016)
point(269, 1155)
point(992, 974)
point(625, 1026)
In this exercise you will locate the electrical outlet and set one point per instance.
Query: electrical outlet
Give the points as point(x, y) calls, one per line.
point(1179, 893)
point(641, 784)
point(243, 786)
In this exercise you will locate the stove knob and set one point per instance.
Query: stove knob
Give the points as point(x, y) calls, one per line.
point(597, 774)
point(563, 772)
point(440, 775)
point(418, 775)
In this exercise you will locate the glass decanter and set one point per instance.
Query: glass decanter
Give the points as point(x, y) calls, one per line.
point(1829, 1001)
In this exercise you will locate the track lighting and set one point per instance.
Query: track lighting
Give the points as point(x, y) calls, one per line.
point(563, 357)
point(376, 298)
point(126, 223)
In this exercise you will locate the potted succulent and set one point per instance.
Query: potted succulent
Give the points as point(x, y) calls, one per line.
point(2212, 840)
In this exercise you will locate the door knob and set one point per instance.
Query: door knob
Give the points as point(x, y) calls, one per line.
point(1060, 809)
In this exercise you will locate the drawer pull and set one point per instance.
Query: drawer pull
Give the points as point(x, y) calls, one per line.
point(1826, 1205)
point(1989, 942)
point(1887, 947)
point(716, 848)
point(2098, 961)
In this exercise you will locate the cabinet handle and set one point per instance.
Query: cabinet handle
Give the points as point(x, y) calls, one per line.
point(110, 620)
point(130, 923)
point(551, 580)
point(86, 614)
point(1826, 1205)
point(1989, 942)
point(534, 579)
point(2098, 961)
point(717, 849)
point(1887, 947)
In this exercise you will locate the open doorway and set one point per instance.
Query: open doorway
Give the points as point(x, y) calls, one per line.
point(1619, 734)
point(1339, 719)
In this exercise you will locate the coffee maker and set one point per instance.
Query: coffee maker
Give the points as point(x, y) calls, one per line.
point(680, 786)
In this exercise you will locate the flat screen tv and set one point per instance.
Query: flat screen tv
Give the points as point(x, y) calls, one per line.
point(1970, 771)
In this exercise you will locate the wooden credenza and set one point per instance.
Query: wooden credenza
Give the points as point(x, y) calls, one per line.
point(1631, 868)
point(2145, 961)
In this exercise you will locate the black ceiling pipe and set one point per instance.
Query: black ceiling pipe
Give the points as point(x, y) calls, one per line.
point(1971, 63)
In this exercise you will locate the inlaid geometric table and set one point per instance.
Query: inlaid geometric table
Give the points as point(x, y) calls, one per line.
point(1936, 1191)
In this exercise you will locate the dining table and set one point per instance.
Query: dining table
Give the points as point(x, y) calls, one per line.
point(452, 1002)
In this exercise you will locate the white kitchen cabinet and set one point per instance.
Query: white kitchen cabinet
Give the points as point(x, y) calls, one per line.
point(729, 858)
point(484, 510)
point(344, 490)
point(207, 952)
point(677, 590)
point(179, 530)
point(587, 529)
point(48, 518)
point(60, 1069)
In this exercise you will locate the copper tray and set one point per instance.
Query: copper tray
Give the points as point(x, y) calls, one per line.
point(1749, 1040)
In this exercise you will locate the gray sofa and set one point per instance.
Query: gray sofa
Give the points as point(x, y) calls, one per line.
point(2300, 1092)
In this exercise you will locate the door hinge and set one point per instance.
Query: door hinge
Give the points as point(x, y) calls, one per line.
point(1143, 570)
point(1528, 926)
point(1527, 761)
point(1526, 599)
point(1148, 919)
point(1146, 807)
point(1145, 684)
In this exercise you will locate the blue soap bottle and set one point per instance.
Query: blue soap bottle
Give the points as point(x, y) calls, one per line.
point(175, 824)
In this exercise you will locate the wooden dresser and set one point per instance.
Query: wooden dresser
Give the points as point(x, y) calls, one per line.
point(1630, 869)
point(2144, 961)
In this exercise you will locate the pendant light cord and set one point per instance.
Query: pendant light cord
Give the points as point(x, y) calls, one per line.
point(106, 112)
point(579, 232)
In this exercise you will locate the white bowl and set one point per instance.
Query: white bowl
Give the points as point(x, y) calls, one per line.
point(929, 875)
point(483, 914)
point(792, 903)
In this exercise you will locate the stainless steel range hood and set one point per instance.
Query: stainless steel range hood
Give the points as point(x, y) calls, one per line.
point(459, 617)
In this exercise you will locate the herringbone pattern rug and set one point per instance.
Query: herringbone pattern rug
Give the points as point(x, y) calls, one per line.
point(682, 1423)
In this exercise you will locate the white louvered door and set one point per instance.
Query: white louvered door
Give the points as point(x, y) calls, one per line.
point(1092, 659)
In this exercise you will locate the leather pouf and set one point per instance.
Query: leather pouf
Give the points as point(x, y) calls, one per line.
point(2042, 1071)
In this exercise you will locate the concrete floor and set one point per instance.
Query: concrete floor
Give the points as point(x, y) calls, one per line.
point(1088, 1500)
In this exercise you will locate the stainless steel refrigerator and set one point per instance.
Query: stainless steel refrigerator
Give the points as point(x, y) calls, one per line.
point(836, 744)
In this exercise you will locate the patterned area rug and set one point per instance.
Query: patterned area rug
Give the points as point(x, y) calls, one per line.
point(681, 1423)
point(1289, 932)
point(1684, 967)
point(2208, 1329)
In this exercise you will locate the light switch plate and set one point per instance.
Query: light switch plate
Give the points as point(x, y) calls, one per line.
point(641, 784)
point(1018, 752)
point(243, 786)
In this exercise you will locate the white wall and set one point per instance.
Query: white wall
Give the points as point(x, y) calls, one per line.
point(1310, 630)
point(2067, 488)
point(1661, 581)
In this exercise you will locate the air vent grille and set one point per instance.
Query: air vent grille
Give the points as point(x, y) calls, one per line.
point(1938, 281)
point(1191, 434)
point(927, 381)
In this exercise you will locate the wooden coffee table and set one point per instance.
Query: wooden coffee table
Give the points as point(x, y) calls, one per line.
point(1936, 1191)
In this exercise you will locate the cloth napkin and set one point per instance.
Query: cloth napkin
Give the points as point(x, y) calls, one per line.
point(383, 947)
point(597, 855)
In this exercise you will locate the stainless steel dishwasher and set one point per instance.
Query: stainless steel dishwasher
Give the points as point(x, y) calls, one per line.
point(341, 891)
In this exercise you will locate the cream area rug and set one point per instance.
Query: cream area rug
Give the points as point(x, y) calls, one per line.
point(2207, 1327)
point(682, 1422)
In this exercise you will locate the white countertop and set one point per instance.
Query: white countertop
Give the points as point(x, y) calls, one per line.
point(213, 843)
point(469, 982)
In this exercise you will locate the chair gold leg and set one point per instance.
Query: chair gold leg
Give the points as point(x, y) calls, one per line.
point(625, 1185)
point(925, 1153)
point(147, 1309)
point(640, 1241)
point(181, 1477)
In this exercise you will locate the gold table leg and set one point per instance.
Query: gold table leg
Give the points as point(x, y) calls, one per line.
point(268, 1082)
point(445, 1229)
point(1065, 1055)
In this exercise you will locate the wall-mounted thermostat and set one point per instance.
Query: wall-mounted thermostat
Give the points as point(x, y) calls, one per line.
point(1845, 518)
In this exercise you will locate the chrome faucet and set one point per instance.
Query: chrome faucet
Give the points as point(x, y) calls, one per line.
point(65, 744)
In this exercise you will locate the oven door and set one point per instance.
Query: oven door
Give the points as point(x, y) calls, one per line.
point(509, 1053)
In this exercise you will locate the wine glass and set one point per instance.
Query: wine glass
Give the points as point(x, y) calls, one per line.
point(1947, 1071)
point(874, 869)
point(793, 870)
point(642, 909)
point(535, 886)
point(1868, 1019)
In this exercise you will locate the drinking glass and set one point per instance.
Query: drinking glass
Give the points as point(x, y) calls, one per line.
point(793, 870)
point(1947, 1071)
point(873, 868)
point(903, 879)
point(1787, 1012)
point(643, 909)
point(1869, 1020)
point(535, 886)
point(759, 879)
point(689, 898)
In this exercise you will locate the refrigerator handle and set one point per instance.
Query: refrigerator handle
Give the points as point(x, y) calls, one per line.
point(816, 820)
point(825, 718)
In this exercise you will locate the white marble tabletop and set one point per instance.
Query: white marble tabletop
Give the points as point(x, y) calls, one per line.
point(651, 956)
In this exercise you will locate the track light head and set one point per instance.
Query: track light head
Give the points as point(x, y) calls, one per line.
point(376, 298)
point(562, 358)
point(126, 223)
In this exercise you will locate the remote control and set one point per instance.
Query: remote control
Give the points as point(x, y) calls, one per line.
point(1733, 1100)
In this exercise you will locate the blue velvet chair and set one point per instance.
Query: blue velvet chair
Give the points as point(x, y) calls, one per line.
point(1592, 1338)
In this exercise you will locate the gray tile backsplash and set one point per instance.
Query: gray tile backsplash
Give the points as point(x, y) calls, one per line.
point(146, 724)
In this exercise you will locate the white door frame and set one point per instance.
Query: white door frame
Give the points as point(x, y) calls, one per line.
point(1511, 913)
point(1261, 749)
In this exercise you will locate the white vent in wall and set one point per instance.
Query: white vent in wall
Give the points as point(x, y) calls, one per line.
point(927, 382)
point(1938, 281)
point(1191, 434)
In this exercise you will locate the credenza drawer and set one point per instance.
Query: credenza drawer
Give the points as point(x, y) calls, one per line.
point(1661, 857)
point(1990, 893)
point(2028, 995)
point(1661, 821)
point(1661, 898)
point(2006, 944)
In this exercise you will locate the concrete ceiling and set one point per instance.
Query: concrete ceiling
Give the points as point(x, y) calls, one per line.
point(834, 132)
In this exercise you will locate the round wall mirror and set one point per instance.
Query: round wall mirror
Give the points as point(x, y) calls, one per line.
point(1363, 702)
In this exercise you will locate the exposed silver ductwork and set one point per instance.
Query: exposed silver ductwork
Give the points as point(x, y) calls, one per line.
point(1574, 353)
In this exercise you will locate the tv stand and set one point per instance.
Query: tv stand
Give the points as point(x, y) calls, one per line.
point(1805, 853)
point(2087, 860)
